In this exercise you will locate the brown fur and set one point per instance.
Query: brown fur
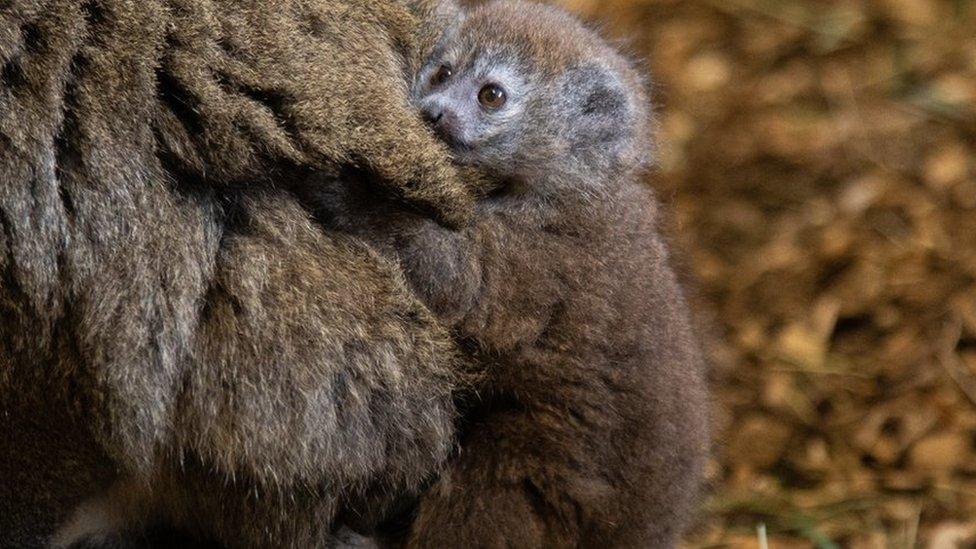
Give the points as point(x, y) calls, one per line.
point(589, 428)
point(176, 330)
point(172, 319)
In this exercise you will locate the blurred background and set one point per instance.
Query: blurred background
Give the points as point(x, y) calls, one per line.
point(819, 160)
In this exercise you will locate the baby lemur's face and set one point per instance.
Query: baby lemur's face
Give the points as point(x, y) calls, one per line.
point(525, 90)
point(475, 102)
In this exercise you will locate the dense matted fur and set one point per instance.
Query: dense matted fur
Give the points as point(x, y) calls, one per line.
point(589, 426)
point(169, 315)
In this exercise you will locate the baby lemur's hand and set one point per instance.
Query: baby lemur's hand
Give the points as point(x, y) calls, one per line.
point(417, 167)
point(433, 257)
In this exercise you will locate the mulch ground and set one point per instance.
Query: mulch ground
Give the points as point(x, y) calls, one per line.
point(819, 158)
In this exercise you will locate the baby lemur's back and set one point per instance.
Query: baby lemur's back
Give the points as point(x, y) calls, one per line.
point(589, 428)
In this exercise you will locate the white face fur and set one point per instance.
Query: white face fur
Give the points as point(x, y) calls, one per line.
point(520, 119)
point(474, 103)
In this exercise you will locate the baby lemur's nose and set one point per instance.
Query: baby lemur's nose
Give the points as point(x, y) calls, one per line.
point(443, 120)
point(433, 115)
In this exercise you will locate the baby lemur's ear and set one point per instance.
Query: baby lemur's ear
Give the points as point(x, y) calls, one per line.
point(602, 114)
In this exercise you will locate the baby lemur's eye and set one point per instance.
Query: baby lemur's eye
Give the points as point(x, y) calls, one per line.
point(492, 96)
point(441, 75)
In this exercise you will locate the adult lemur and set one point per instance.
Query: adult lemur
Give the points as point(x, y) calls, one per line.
point(171, 319)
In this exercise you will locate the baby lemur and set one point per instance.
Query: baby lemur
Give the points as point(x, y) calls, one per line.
point(589, 427)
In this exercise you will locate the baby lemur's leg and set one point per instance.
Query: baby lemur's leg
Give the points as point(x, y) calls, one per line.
point(504, 490)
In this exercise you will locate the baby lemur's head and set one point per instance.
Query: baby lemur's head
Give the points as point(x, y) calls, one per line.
point(527, 92)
